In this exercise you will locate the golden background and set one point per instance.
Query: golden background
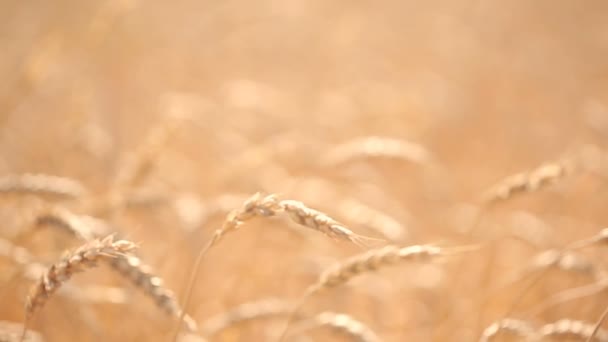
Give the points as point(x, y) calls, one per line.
point(263, 92)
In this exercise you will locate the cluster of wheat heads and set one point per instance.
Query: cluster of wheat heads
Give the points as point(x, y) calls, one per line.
point(99, 245)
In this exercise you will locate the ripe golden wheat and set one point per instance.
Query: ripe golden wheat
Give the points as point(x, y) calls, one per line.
point(79, 260)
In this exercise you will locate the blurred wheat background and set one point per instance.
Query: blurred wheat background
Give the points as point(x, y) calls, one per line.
point(395, 118)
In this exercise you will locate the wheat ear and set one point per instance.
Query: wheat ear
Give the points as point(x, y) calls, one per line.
point(569, 328)
point(129, 266)
point(343, 323)
point(259, 205)
point(84, 257)
point(369, 261)
point(80, 226)
point(319, 221)
point(42, 184)
point(263, 308)
point(566, 261)
point(256, 205)
point(513, 326)
point(377, 147)
point(529, 181)
point(141, 275)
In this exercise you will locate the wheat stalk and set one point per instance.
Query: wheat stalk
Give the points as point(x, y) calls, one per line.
point(597, 326)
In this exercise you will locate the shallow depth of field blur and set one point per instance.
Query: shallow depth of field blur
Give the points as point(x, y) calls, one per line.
point(265, 93)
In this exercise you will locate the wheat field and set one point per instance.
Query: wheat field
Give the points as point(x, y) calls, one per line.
point(289, 170)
